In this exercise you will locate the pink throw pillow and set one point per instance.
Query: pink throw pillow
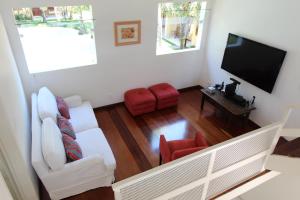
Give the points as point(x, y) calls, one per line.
point(63, 107)
point(72, 148)
point(65, 126)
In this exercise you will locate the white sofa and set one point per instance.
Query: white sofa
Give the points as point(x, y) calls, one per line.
point(95, 169)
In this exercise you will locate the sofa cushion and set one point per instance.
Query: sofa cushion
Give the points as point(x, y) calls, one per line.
point(65, 126)
point(63, 107)
point(52, 145)
point(83, 117)
point(73, 150)
point(93, 142)
point(47, 106)
point(184, 152)
point(73, 101)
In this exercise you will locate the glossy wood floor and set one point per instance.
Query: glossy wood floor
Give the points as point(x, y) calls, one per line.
point(135, 140)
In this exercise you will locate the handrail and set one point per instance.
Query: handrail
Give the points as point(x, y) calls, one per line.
point(247, 185)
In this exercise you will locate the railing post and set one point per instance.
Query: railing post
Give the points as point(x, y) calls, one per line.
point(209, 172)
point(278, 134)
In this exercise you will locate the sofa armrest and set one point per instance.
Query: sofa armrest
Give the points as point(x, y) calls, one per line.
point(86, 163)
point(185, 152)
point(75, 172)
point(200, 140)
point(164, 149)
point(81, 166)
point(73, 101)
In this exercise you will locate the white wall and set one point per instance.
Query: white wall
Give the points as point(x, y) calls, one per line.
point(273, 22)
point(15, 123)
point(280, 188)
point(118, 68)
point(4, 192)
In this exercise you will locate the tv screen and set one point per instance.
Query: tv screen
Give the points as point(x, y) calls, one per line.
point(256, 63)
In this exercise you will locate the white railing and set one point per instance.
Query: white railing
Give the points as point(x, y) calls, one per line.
point(207, 173)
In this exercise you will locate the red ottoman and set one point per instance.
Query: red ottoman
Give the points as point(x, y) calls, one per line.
point(139, 101)
point(165, 94)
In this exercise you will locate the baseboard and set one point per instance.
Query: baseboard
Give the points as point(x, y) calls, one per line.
point(255, 124)
point(108, 107)
point(190, 88)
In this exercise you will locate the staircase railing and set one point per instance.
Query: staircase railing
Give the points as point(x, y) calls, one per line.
point(207, 173)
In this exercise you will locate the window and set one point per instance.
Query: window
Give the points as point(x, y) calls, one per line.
point(179, 26)
point(56, 37)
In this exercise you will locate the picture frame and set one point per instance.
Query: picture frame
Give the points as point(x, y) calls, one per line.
point(127, 32)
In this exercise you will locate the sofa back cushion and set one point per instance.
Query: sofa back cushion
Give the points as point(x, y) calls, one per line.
point(52, 145)
point(37, 158)
point(47, 106)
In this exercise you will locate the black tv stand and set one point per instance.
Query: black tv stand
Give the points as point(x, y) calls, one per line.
point(239, 100)
point(218, 99)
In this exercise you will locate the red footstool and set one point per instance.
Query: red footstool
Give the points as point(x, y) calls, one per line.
point(139, 101)
point(166, 95)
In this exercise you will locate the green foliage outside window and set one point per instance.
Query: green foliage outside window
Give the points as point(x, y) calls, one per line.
point(46, 17)
point(187, 13)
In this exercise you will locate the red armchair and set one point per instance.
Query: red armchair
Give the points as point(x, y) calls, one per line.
point(178, 148)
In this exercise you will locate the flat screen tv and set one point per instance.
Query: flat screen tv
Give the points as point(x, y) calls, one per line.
point(254, 62)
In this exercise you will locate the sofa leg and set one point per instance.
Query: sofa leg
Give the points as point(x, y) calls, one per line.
point(160, 159)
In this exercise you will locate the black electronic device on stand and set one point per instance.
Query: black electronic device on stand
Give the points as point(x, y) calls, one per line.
point(219, 86)
point(230, 88)
point(231, 94)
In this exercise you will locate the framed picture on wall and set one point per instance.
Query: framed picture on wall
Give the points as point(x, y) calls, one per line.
point(127, 32)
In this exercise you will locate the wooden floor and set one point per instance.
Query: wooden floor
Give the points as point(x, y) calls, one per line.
point(135, 140)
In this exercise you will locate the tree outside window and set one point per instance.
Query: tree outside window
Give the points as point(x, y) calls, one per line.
point(179, 26)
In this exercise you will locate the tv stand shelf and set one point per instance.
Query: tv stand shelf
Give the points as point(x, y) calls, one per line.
point(219, 99)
